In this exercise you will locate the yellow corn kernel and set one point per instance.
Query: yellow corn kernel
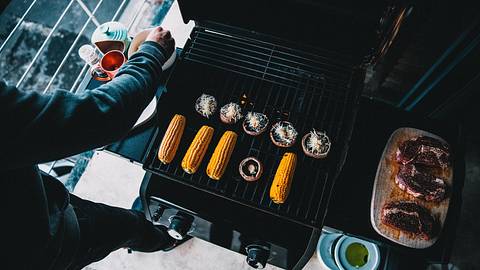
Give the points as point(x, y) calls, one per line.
point(220, 157)
point(171, 139)
point(195, 153)
point(283, 178)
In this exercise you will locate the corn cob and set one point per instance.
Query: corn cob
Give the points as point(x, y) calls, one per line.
point(171, 139)
point(283, 178)
point(195, 153)
point(220, 157)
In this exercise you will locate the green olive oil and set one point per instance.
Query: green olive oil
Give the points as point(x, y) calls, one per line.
point(357, 255)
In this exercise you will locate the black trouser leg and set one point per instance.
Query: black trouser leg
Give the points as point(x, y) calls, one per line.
point(105, 228)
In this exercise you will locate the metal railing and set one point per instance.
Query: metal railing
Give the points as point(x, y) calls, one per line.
point(14, 30)
point(92, 18)
point(42, 47)
point(79, 35)
point(85, 66)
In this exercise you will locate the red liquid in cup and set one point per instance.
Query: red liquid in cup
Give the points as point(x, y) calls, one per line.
point(111, 62)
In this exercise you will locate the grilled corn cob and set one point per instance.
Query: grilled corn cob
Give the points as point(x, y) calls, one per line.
point(195, 153)
point(219, 160)
point(171, 139)
point(283, 178)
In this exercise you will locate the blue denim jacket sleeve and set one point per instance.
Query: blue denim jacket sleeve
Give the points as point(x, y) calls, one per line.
point(42, 127)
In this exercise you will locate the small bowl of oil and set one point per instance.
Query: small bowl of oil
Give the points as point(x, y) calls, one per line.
point(352, 253)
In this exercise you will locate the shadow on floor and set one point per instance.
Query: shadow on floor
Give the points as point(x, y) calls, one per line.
point(466, 251)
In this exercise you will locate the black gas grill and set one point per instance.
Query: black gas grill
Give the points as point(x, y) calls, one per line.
point(311, 89)
point(293, 60)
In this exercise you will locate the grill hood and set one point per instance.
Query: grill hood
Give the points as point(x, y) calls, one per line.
point(347, 27)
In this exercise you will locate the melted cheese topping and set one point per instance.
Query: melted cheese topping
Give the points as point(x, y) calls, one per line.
point(318, 142)
point(206, 105)
point(232, 111)
point(253, 120)
point(285, 132)
point(256, 121)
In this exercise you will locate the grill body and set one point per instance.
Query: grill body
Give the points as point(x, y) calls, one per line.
point(311, 88)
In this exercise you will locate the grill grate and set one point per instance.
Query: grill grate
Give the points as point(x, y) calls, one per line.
point(309, 90)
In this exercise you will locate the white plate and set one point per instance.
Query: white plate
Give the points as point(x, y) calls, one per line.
point(147, 113)
point(385, 190)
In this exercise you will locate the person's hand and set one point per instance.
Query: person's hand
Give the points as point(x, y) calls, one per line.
point(163, 38)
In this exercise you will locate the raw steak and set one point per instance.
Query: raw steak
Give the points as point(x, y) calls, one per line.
point(420, 184)
point(409, 217)
point(407, 151)
point(424, 150)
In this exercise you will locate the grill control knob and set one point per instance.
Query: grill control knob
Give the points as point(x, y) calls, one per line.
point(180, 225)
point(157, 214)
point(257, 255)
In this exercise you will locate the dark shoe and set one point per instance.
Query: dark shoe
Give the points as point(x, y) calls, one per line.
point(155, 240)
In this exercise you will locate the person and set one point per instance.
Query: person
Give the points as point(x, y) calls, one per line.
point(46, 226)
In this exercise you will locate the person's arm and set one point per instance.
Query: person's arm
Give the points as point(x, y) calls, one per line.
point(38, 128)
